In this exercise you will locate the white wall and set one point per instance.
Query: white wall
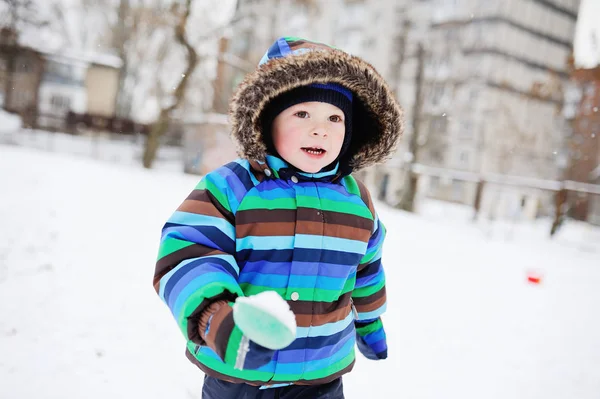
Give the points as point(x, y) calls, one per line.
point(55, 98)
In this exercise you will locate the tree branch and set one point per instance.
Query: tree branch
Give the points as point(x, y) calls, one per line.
point(192, 57)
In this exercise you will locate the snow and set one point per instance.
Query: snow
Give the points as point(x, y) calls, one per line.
point(250, 312)
point(9, 123)
point(80, 318)
point(82, 57)
point(125, 150)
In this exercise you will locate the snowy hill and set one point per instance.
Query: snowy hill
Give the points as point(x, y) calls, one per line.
point(80, 318)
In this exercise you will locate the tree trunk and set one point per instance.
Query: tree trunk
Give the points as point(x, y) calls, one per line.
point(9, 84)
point(477, 202)
point(410, 180)
point(122, 110)
point(559, 210)
point(153, 139)
point(162, 124)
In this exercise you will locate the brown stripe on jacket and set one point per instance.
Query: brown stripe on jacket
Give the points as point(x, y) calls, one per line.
point(206, 196)
point(307, 320)
point(280, 229)
point(318, 313)
point(266, 229)
point(333, 217)
point(205, 315)
point(370, 306)
point(252, 216)
point(200, 207)
point(363, 302)
point(316, 307)
point(365, 196)
point(198, 320)
point(220, 330)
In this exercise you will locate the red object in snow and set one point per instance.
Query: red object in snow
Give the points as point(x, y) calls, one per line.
point(534, 278)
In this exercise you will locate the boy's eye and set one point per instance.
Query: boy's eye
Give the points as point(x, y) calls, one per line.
point(301, 114)
point(335, 118)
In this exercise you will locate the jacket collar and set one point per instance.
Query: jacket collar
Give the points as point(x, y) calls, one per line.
point(277, 168)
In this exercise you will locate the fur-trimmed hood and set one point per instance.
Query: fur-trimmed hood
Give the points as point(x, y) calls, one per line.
point(292, 62)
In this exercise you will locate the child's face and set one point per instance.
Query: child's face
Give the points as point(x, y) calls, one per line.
point(309, 135)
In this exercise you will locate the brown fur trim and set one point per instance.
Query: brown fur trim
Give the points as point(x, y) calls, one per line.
point(376, 142)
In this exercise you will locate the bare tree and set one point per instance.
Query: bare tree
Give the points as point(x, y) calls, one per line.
point(160, 126)
point(82, 24)
point(176, 89)
point(409, 185)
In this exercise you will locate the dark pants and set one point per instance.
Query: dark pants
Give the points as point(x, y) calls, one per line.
point(218, 389)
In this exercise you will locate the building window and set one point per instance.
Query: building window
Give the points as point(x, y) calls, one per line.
point(457, 190)
point(437, 93)
point(434, 184)
point(437, 125)
point(466, 130)
point(22, 98)
point(60, 103)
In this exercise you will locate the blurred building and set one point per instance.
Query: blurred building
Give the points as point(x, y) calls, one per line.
point(207, 143)
point(493, 89)
point(491, 86)
point(79, 83)
point(44, 86)
point(21, 72)
point(355, 26)
point(582, 111)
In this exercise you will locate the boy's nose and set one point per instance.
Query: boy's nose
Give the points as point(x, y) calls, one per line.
point(319, 132)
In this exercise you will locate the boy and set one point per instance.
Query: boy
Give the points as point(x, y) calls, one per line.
point(287, 218)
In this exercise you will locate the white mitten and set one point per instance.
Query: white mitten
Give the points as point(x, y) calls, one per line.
point(265, 319)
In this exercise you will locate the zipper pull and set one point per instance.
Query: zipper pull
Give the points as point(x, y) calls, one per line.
point(354, 309)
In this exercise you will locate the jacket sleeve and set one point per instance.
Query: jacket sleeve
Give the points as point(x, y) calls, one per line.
point(369, 295)
point(196, 263)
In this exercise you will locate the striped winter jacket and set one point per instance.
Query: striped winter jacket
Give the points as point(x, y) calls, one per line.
point(256, 224)
point(314, 239)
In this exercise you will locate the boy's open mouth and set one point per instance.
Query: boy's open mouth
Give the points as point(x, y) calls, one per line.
point(314, 150)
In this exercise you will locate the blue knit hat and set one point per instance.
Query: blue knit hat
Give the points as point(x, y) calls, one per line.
point(331, 93)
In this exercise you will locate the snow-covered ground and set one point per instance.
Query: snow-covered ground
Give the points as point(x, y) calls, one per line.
point(9, 123)
point(79, 317)
point(125, 150)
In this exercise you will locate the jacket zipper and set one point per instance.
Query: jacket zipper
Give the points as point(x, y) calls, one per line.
point(242, 352)
point(354, 309)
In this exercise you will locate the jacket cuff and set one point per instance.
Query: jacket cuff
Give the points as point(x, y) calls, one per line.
point(371, 339)
point(193, 330)
point(206, 317)
point(216, 328)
